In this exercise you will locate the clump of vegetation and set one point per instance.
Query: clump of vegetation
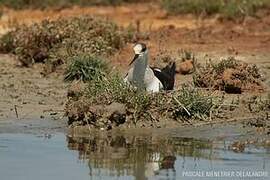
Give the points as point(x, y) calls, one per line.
point(228, 9)
point(229, 75)
point(259, 103)
point(7, 45)
point(192, 103)
point(43, 4)
point(59, 39)
point(114, 89)
point(142, 108)
point(86, 68)
point(265, 103)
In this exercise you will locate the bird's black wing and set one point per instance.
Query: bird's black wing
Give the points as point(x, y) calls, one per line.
point(166, 75)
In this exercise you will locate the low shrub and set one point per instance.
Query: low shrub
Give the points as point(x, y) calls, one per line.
point(6, 43)
point(60, 39)
point(259, 103)
point(229, 75)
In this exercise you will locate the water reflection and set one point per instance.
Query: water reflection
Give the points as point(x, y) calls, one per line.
point(122, 157)
point(138, 156)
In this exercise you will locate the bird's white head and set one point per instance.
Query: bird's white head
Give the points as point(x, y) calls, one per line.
point(139, 48)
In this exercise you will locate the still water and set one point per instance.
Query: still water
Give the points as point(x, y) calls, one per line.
point(61, 157)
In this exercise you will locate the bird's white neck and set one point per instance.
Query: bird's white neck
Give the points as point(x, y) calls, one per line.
point(139, 69)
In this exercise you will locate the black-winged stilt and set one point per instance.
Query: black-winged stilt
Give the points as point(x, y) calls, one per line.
point(142, 76)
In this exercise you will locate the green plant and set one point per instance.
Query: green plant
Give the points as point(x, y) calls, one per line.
point(191, 6)
point(6, 43)
point(86, 68)
point(224, 64)
point(114, 89)
point(264, 104)
point(189, 103)
point(259, 104)
point(228, 9)
point(60, 39)
point(44, 4)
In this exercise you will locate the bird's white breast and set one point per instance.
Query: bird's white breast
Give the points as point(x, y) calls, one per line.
point(151, 82)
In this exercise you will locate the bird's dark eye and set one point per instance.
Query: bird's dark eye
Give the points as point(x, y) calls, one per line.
point(143, 47)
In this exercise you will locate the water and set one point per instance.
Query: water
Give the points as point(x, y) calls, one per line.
point(32, 157)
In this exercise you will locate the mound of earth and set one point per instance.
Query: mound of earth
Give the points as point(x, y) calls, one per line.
point(230, 75)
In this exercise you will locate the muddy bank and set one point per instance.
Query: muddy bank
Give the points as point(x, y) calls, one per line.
point(33, 126)
point(26, 94)
point(227, 91)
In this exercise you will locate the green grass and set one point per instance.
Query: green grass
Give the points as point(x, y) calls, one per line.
point(114, 89)
point(105, 87)
point(259, 103)
point(224, 64)
point(43, 4)
point(229, 9)
point(264, 103)
point(86, 68)
point(187, 103)
point(6, 43)
point(190, 103)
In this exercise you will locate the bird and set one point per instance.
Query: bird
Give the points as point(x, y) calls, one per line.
point(151, 79)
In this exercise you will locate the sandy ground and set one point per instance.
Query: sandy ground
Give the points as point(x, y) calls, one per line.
point(26, 94)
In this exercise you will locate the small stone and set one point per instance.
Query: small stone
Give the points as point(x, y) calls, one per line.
point(53, 113)
point(41, 102)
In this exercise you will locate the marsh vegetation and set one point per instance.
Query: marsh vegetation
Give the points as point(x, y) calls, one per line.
point(85, 49)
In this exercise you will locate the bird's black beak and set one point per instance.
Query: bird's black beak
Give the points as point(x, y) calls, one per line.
point(135, 57)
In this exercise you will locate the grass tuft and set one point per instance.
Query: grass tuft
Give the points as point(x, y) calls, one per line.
point(114, 89)
point(259, 103)
point(86, 68)
point(6, 44)
point(224, 64)
point(192, 103)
